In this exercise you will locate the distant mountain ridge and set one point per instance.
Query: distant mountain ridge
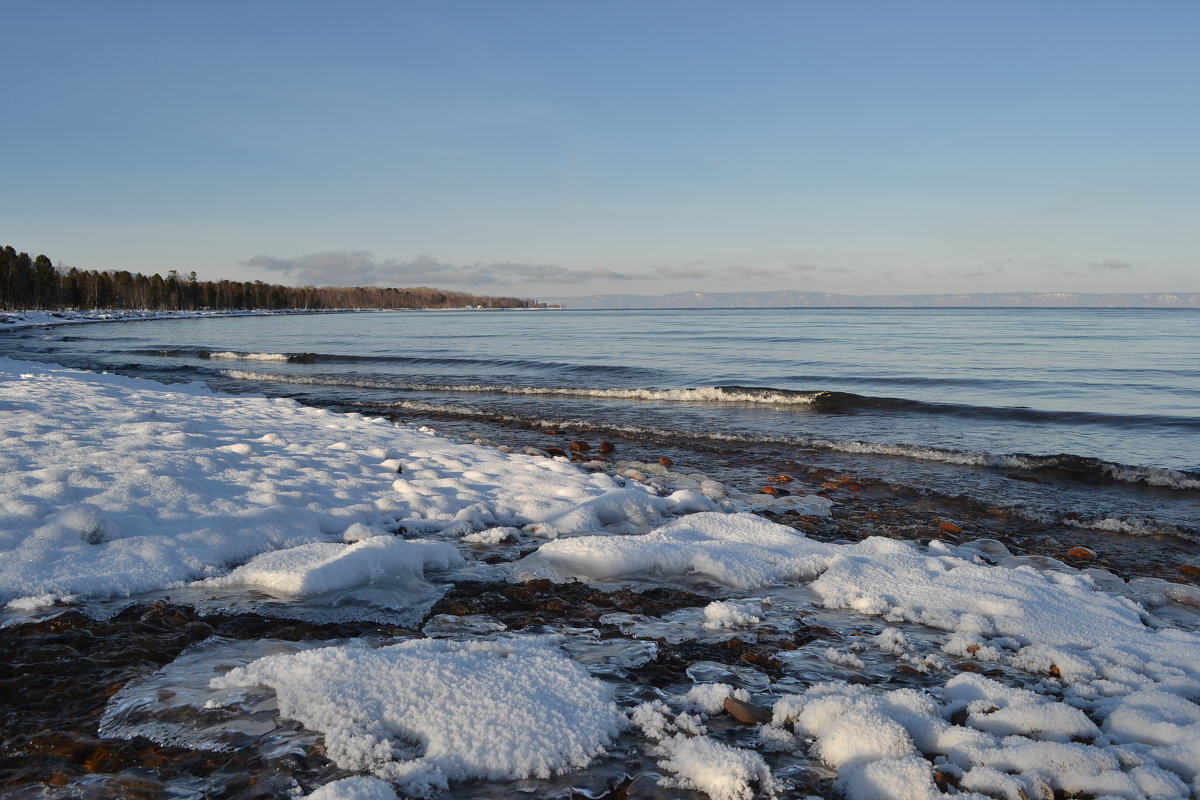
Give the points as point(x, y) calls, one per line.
point(787, 299)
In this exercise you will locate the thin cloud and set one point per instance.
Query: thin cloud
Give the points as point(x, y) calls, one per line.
point(686, 272)
point(359, 268)
point(1111, 265)
point(707, 270)
point(1059, 266)
point(982, 273)
point(742, 273)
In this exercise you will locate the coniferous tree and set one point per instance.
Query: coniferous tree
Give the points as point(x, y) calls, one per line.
point(36, 284)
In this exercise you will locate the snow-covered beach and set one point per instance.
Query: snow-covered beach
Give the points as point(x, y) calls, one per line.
point(10, 320)
point(875, 669)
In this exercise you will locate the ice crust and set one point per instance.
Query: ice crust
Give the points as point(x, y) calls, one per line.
point(111, 486)
point(429, 711)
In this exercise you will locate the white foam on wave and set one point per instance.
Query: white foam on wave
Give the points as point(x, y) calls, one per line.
point(230, 355)
point(1151, 476)
point(704, 394)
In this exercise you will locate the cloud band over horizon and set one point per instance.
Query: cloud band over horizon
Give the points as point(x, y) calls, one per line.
point(360, 267)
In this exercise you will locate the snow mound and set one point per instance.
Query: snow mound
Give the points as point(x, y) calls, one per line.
point(325, 566)
point(738, 550)
point(360, 788)
point(426, 712)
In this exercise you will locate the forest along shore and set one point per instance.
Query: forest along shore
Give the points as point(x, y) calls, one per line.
point(244, 596)
point(35, 282)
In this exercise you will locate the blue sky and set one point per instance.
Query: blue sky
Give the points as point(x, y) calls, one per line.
point(567, 148)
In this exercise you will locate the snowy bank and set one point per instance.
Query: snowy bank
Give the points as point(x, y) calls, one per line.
point(10, 320)
point(113, 486)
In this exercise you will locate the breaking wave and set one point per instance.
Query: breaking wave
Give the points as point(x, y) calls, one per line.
point(818, 401)
point(419, 361)
point(1072, 467)
point(715, 394)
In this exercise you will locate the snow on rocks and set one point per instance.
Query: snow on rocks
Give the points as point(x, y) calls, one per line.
point(426, 712)
point(357, 788)
point(111, 486)
point(1112, 705)
point(727, 614)
point(721, 771)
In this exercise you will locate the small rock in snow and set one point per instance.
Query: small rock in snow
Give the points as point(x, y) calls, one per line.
point(747, 713)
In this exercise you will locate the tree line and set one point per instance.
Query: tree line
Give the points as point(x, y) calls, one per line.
point(28, 284)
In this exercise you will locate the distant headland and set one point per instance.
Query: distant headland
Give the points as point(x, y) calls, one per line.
point(786, 299)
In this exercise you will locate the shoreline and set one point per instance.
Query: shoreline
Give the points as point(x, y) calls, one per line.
point(291, 516)
point(15, 320)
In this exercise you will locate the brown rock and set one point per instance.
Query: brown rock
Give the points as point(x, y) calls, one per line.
point(775, 491)
point(607, 447)
point(1055, 672)
point(949, 527)
point(944, 779)
point(747, 713)
point(99, 758)
point(551, 431)
point(556, 451)
point(784, 478)
point(1189, 569)
point(666, 462)
point(853, 487)
point(153, 757)
point(759, 660)
point(580, 447)
point(1081, 552)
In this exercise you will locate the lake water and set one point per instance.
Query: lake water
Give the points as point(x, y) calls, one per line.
point(1089, 416)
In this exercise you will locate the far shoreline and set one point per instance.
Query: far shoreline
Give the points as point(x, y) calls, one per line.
point(17, 320)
